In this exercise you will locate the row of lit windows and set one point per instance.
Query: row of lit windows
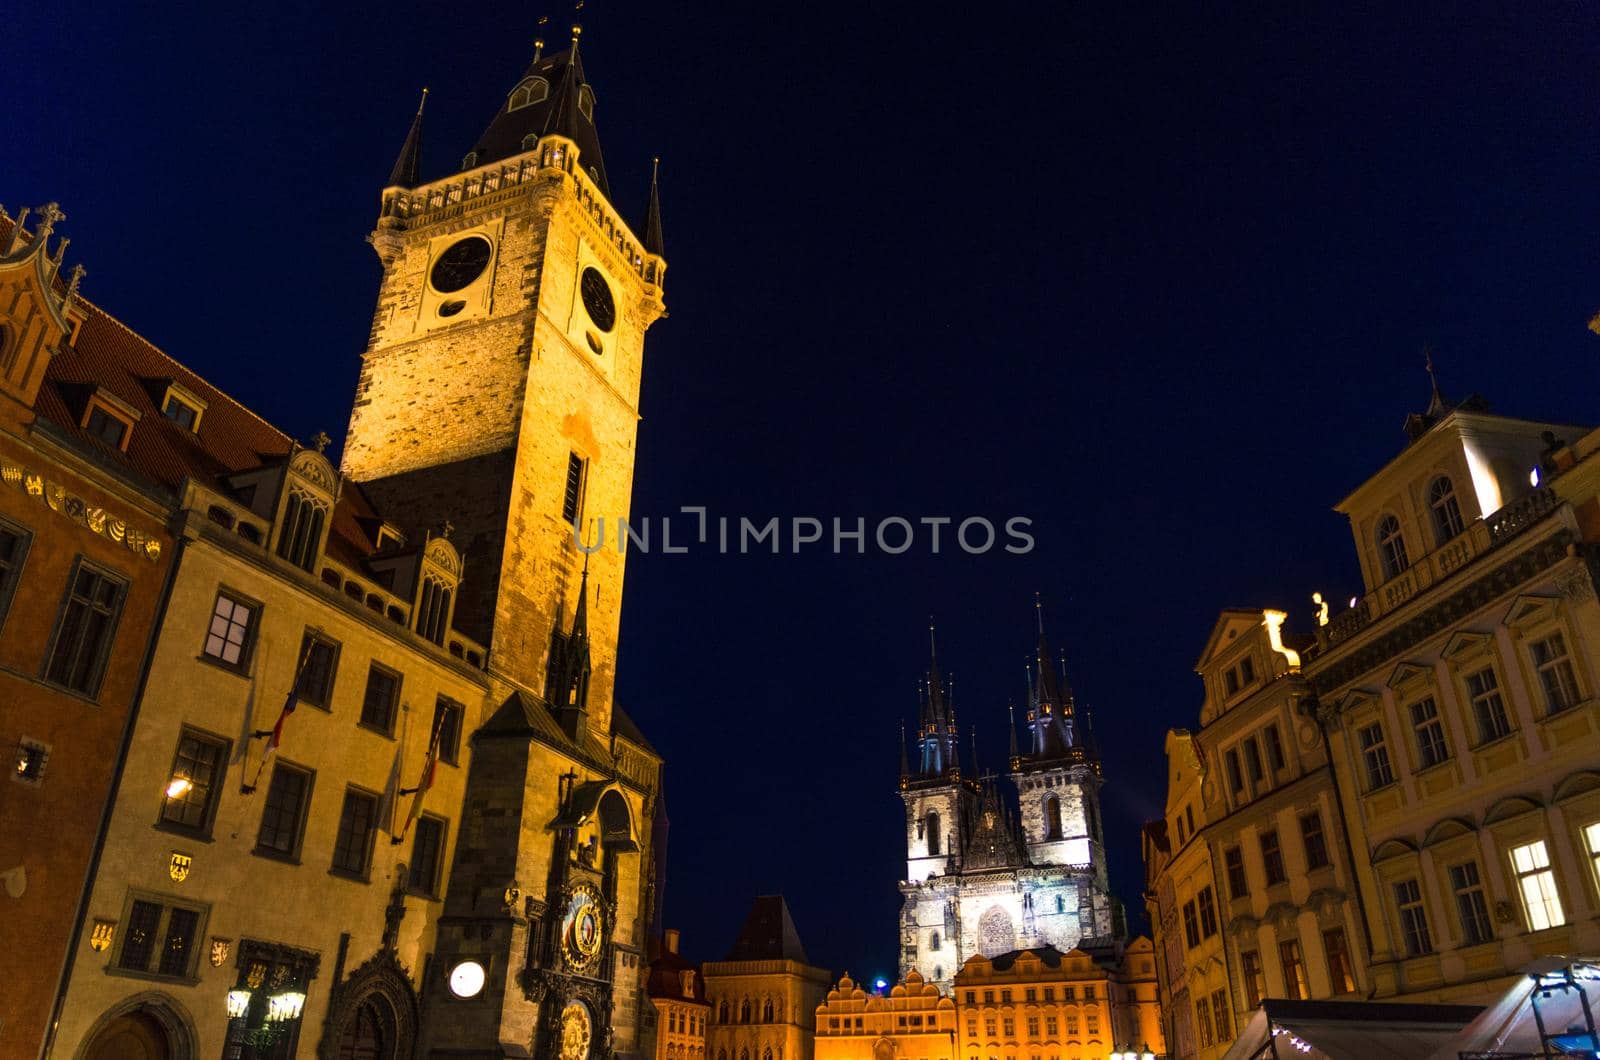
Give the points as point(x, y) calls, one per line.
point(768, 1011)
point(1253, 979)
point(230, 642)
point(1043, 993)
point(1007, 1025)
point(1533, 878)
point(686, 1022)
point(1558, 683)
point(195, 789)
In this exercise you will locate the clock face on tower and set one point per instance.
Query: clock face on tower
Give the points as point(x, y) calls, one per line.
point(580, 928)
point(597, 299)
point(459, 265)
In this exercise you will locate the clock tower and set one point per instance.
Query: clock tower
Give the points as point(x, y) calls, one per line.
point(500, 384)
point(498, 403)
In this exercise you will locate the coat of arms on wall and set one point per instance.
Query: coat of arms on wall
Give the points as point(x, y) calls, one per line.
point(101, 934)
point(178, 866)
point(219, 951)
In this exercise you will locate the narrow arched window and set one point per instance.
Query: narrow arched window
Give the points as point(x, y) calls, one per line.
point(1061, 904)
point(766, 1012)
point(1391, 547)
point(744, 1012)
point(1446, 509)
point(1052, 817)
point(533, 90)
point(933, 832)
point(722, 1012)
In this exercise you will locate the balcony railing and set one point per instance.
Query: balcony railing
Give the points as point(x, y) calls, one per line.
point(1480, 538)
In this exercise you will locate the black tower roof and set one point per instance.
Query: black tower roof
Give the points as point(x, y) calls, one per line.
point(768, 934)
point(563, 106)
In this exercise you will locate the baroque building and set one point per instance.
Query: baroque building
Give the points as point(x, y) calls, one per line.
point(1085, 1004)
point(764, 994)
point(678, 1009)
point(1250, 884)
point(1460, 699)
point(85, 557)
point(981, 878)
point(374, 796)
point(1405, 805)
point(912, 1020)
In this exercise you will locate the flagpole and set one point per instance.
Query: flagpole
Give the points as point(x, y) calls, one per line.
point(425, 781)
point(288, 708)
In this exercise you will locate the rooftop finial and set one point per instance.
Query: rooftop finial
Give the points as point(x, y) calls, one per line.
point(1038, 612)
point(1437, 401)
point(577, 31)
point(652, 212)
point(538, 47)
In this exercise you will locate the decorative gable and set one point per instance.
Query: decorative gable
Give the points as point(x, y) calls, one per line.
point(1408, 673)
point(34, 318)
point(1530, 610)
point(1465, 644)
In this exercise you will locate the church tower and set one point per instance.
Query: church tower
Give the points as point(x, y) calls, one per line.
point(937, 798)
point(500, 384)
point(1057, 774)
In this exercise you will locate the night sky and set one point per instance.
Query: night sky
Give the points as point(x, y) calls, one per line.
point(1158, 279)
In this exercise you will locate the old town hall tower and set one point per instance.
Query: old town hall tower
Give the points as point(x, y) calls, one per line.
point(982, 878)
point(497, 406)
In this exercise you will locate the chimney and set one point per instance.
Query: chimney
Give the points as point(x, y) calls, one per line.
point(672, 940)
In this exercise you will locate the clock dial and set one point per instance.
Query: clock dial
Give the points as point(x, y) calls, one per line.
point(577, 1029)
point(580, 929)
point(466, 979)
point(597, 299)
point(459, 265)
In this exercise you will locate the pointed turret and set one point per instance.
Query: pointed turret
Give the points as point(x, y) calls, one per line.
point(553, 98)
point(1052, 712)
point(407, 169)
point(566, 688)
point(652, 211)
point(937, 736)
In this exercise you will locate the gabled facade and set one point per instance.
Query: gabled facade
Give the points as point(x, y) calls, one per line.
point(763, 995)
point(85, 557)
point(1459, 695)
point(914, 1019)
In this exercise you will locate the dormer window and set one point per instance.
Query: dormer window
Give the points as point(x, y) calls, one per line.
point(183, 407)
point(470, 160)
point(74, 327)
point(530, 141)
point(1391, 547)
point(533, 90)
point(109, 419)
point(586, 103)
point(1447, 521)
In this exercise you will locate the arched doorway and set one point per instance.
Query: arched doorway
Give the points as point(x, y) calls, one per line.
point(147, 1026)
point(370, 1033)
point(136, 1035)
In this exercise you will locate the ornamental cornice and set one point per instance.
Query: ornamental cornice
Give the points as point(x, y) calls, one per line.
point(59, 499)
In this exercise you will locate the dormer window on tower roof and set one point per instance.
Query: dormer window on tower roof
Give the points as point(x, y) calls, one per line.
point(530, 91)
point(183, 407)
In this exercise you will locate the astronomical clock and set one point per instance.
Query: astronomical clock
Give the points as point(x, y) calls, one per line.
point(570, 962)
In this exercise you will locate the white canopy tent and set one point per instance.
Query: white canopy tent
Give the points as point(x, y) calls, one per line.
point(1550, 1011)
point(1349, 1030)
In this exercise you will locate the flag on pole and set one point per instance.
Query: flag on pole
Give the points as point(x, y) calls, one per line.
point(429, 766)
point(274, 735)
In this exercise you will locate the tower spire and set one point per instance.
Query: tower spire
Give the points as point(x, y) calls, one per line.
point(652, 212)
point(905, 763)
point(1011, 726)
point(1436, 403)
point(408, 166)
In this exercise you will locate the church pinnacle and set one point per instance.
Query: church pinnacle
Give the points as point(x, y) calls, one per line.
point(408, 166)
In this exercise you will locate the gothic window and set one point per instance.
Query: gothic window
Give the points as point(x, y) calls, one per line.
point(744, 1012)
point(995, 933)
point(1092, 818)
point(934, 943)
point(1061, 904)
point(301, 533)
point(533, 90)
point(586, 102)
point(1446, 511)
point(433, 611)
point(766, 1012)
point(1391, 547)
point(933, 832)
point(722, 1014)
point(1052, 817)
point(572, 496)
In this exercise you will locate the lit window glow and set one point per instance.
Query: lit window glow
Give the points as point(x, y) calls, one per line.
point(179, 787)
point(1536, 882)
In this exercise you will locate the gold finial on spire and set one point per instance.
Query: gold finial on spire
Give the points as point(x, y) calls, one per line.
point(538, 47)
point(1038, 612)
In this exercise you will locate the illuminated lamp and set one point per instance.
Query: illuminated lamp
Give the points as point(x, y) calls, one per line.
point(238, 1003)
point(284, 1007)
point(179, 787)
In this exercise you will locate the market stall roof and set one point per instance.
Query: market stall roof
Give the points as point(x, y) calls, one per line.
point(1349, 1030)
point(1566, 991)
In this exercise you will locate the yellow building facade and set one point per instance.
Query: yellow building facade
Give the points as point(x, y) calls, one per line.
point(1078, 1005)
point(1461, 698)
point(764, 994)
point(1249, 878)
point(913, 1020)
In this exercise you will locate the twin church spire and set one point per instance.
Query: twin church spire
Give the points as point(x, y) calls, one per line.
point(1052, 729)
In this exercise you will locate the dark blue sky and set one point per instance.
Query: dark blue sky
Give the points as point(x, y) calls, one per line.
point(1156, 277)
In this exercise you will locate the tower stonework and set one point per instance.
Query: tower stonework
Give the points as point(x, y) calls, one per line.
point(997, 880)
point(501, 379)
